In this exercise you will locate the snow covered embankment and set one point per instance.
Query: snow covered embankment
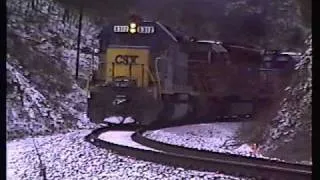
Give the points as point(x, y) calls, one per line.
point(217, 137)
point(42, 97)
point(68, 156)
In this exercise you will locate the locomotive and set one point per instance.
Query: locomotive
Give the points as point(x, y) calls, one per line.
point(153, 74)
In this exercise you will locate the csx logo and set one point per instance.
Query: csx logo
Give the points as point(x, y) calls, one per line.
point(126, 59)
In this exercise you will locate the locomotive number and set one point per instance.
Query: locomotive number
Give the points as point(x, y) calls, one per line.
point(126, 59)
point(146, 29)
point(140, 29)
point(121, 29)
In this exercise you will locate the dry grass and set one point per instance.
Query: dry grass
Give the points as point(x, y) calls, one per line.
point(254, 131)
point(293, 148)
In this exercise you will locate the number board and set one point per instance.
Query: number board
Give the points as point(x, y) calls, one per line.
point(140, 29)
point(120, 28)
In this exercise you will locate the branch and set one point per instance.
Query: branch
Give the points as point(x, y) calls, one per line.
point(41, 165)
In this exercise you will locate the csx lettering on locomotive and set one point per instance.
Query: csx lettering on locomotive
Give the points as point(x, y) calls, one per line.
point(126, 59)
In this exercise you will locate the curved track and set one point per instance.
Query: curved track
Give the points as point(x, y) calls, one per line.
point(128, 141)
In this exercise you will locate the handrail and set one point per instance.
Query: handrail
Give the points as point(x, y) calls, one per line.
point(157, 75)
point(154, 78)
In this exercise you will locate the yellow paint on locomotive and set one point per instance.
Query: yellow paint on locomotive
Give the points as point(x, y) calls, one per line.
point(128, 61)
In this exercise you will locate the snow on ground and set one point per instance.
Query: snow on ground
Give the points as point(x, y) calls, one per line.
point(68, 156)
point(216, 137)
point(122, 138)
point(119, 120)
point(31, 112)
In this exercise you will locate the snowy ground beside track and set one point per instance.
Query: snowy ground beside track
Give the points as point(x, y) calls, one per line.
point(122, 138)
point(216, 137)
point(68, 156)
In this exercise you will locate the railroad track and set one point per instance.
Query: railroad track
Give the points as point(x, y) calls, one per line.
point(178, 156)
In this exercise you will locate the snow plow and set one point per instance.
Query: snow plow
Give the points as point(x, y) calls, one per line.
point(155, 75)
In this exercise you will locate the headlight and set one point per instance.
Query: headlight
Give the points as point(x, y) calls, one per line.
point(133, 28)
point(133, 25)
point(132, 31)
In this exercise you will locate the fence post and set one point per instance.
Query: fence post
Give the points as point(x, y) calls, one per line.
point(79, 39)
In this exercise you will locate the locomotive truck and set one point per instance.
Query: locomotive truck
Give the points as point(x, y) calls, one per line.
point(154, 74)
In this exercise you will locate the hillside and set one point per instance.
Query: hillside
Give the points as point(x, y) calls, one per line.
point(289, 135)
point(42, 95)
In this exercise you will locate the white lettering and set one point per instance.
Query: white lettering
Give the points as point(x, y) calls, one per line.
point(121, 29)
point(146, 29)
point(140, 29)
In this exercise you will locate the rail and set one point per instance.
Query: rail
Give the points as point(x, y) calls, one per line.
point(201, 160)
point(266, 168)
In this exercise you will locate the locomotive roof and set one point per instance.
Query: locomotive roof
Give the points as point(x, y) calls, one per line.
point(209, 41)
point(215, 45)
point(291, 53)
point(166, 29)
point(218, 46)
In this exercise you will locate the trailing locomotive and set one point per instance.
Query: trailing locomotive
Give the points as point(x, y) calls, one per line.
point(151, 73)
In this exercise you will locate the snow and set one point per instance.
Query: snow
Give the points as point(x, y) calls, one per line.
point(122, 138)
point(244, 148)
point(215, 137)
point(207, 136)
point(113, 119)
point(44, 108)
point(128, 120)
point(68, 156)
point(119, 120)
point(31, 99)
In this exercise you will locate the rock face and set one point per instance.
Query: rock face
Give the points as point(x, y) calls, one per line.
point(42, 96)
point(291, 129)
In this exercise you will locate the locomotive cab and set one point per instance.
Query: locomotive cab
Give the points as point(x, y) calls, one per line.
point(136, 72)
point(127, 84)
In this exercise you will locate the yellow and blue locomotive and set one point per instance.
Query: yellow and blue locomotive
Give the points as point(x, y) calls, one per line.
point(153, 74)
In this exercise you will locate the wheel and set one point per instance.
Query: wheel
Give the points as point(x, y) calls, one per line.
point(176, 109)
point(145, 108)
